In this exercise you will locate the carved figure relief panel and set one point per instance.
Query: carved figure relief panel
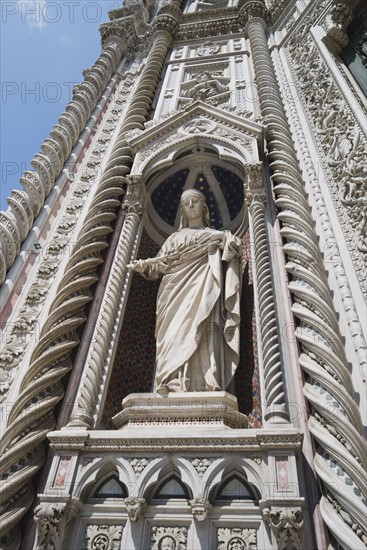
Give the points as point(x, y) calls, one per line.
point(215, 72)
point(339, 135)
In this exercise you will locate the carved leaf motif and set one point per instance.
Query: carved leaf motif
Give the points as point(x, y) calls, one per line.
point(236, 539)
point(102, 537)
point(175, 538)
point(339, 139)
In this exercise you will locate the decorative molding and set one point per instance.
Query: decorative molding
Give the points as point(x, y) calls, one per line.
point(356, 330)
point(340, 140)
point(21, 330)
point(107, 325)
point(248, 440)
point(203, 29)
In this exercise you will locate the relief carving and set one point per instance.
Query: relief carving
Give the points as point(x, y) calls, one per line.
point(135, 507)
point(341, 143)
point(168, 538)
point(209, 87)
point(287, 527)
point(200, 508)
point(102, 537)
point(236, 539)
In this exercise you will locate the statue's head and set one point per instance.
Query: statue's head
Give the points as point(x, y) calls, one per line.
point(196, 196)
point(167, 543)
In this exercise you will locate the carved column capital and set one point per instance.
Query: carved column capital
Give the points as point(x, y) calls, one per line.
point(52, 519)
point(336, 23)
point(168, 17)
point(286, 524)
point(253, 9)
point(200, 508)
point(135, 507)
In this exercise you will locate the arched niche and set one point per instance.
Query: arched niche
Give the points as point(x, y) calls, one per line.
point(216, 166)
point(195, 166)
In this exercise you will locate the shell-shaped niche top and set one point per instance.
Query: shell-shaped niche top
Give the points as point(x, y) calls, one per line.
point(202, 169)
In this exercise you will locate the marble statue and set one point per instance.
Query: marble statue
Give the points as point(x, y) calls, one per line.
point(198, 303)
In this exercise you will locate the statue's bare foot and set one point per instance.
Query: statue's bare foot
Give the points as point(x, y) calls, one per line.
point(163, 390)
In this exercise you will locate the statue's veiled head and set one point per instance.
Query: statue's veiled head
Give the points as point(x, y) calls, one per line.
point(188, 197)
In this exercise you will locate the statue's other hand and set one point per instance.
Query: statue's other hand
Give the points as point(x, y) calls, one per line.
point(214, 245)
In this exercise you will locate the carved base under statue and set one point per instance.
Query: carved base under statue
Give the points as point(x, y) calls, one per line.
point(217, 408)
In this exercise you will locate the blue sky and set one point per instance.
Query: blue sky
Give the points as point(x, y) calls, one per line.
point(45, 45)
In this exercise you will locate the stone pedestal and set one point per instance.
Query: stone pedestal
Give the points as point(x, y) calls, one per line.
point(218, 409)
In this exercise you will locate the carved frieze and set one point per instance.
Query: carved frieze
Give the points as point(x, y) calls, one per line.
point(341, 143)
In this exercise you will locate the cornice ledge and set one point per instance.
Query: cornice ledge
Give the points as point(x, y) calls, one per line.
point(218, 26)
point(232, 440)
point(218, 13)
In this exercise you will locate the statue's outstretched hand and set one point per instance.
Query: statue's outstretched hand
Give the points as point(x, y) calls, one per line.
point(138, 265)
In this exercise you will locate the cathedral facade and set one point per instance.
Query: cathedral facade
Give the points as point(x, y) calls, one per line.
point(260, 107)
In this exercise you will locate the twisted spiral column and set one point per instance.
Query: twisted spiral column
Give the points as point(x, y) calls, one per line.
point(24, 205)
point(32, 417)
point(109, 319)
point(272, 365)
point(334, 419)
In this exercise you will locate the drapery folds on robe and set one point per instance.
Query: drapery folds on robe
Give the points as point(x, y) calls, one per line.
point(198, 310)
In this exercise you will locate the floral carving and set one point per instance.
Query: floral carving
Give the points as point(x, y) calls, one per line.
point(341, 143)
point(52, 519)
point(138, 465)
point(236, 539)
point(287, 526)
point(201, 464)
point(168, 538)
point(102, 537)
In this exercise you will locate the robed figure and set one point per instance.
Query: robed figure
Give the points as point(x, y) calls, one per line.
point(198, 303)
